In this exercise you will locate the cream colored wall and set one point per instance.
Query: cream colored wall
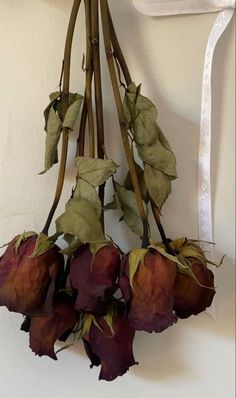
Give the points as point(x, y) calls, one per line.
point(196, 357)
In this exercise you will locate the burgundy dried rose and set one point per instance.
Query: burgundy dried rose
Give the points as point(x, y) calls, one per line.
point(27, 283)
point(44, 331)
point(94, 277)
point(190, 297)
point(112, 349)
point(149, 292)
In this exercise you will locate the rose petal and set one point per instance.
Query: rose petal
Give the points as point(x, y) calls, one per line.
point(190, 298)
point(45, 330)
point(94, 277)
point(24, 281)
point(113, 350)
point(152, 297)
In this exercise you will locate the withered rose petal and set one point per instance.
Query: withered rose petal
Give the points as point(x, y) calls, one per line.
point(152, 297)
point(27, 284)
point(46, 330)
point(113, 351)
point(94, 277)
point(190, 298)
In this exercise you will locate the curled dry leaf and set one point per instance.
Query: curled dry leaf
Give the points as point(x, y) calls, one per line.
point(152, 146)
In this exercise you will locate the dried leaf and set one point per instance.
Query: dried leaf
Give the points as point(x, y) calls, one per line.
point(95, 247)
point(152, 146)
point(158, 185)
point(86, 191)
point(95, 171)
point(21, 238)
point(42, 245)
point(81, 220)
point(73, 112)
point(87, 322)
point(73, 245)
point(53, 100)
point(136, 257)
point(129, 206)
point(128, 182)
point(54, 128)
point(183, 266)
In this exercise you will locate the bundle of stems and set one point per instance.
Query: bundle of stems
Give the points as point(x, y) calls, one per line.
point(95, 125)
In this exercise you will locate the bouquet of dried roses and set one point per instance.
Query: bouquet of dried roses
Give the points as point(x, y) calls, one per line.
point(100, 294)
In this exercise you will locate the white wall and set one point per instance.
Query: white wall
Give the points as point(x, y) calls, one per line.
point(196, 357)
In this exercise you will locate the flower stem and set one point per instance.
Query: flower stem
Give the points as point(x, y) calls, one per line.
point(98, 91)
point(89, 78)
point(82, 130)
point(122, 120)
point(65, 97)
point(119, 56)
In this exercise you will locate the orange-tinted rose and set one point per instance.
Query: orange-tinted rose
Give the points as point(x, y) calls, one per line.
point(27, 284)
point(150, 299)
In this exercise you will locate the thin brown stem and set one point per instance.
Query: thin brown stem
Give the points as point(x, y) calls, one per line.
point(89, 78)
point(65, 97)
point(82, 130)
point(121, 117)
point(118, 54)
point(156, 215)
point(98, 91)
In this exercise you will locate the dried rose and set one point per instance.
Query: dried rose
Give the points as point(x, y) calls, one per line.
point(147, 282)
point(27, 282)
point(190, 297)
point(94, 277)
point(111, 347)
point(44, 331)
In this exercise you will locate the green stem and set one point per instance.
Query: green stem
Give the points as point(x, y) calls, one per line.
point(122, 120)
point(65, 97)
point(98, 91)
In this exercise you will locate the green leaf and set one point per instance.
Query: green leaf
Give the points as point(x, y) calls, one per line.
point(81, 220)
point(73, 112)
point(95, 171)
point(136, 257)
point(158, 185)
point(54, 128)
point(43, 244)
point(21, 238)
point(130, 209)
point(129, 185)
point(86, 191)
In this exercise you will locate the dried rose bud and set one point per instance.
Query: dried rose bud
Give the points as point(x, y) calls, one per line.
point(111, 348)
point(27, 283)
point(94, 277)
point(190, 297)
point(148, 291)
point(44, 331)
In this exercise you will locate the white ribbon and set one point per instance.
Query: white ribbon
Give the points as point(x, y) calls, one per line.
point(225, 9)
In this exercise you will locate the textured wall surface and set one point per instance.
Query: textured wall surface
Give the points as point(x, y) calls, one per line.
point(195, 357)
